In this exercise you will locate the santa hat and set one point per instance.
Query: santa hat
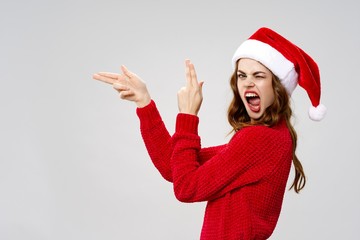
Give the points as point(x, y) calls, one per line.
point(288, 62)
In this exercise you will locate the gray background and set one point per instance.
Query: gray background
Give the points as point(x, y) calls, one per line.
point(72, 161)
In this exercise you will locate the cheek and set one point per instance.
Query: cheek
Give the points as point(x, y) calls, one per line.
point(240, 89)
point(269, 96)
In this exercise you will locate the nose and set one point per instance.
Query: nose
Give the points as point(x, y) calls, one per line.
point(249, 83)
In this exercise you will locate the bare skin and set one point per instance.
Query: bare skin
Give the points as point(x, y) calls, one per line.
point(132, 88)
point(255, 80)
point(129, 86)
point(190, 96)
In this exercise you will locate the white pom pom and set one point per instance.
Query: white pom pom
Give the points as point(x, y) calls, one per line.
point(317, 113)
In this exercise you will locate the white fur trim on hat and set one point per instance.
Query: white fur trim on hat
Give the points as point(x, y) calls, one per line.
point(270, 58)
point(317, 113)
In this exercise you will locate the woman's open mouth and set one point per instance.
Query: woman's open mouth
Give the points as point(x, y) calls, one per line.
point(253, 101)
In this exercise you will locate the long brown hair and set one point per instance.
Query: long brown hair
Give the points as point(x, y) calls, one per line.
point(280, 109)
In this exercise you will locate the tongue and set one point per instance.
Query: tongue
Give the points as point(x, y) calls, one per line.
point(254, 101)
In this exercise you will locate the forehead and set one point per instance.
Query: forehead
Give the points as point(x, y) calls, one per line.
point(251, 65)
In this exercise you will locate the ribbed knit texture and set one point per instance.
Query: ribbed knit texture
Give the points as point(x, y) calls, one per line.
point(243, 181)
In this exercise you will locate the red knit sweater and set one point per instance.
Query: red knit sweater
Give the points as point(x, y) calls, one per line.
point(243, 181)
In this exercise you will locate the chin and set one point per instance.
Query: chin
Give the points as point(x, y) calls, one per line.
point(255, 115)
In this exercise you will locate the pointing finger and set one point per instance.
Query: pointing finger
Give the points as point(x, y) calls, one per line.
point(109, 78)
point(103, 78)
point(194, 80)
point(108, 74)
point(187, 73)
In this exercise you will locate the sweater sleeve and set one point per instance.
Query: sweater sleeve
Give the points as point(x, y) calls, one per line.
point(158, 141)
point(156, 138)
point(250, 155)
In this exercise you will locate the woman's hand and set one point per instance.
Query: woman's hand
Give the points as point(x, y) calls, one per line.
point(190, 96)
point(128, 84)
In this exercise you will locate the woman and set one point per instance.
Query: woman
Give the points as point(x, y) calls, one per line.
point(244, 180)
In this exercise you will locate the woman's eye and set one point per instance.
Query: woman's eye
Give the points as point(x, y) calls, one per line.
point(260, 77)
point(241, 76)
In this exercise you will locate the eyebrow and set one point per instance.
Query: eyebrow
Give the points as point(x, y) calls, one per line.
point(255, 73)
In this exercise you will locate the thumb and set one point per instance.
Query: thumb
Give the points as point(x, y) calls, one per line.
point(201, 84)
point(126, 71)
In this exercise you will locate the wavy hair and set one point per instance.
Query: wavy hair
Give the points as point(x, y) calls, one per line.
point(280, 109)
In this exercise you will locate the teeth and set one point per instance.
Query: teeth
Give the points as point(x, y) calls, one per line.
point(251, 95)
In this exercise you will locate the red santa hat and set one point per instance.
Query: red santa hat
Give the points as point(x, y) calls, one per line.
point(288, 62)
